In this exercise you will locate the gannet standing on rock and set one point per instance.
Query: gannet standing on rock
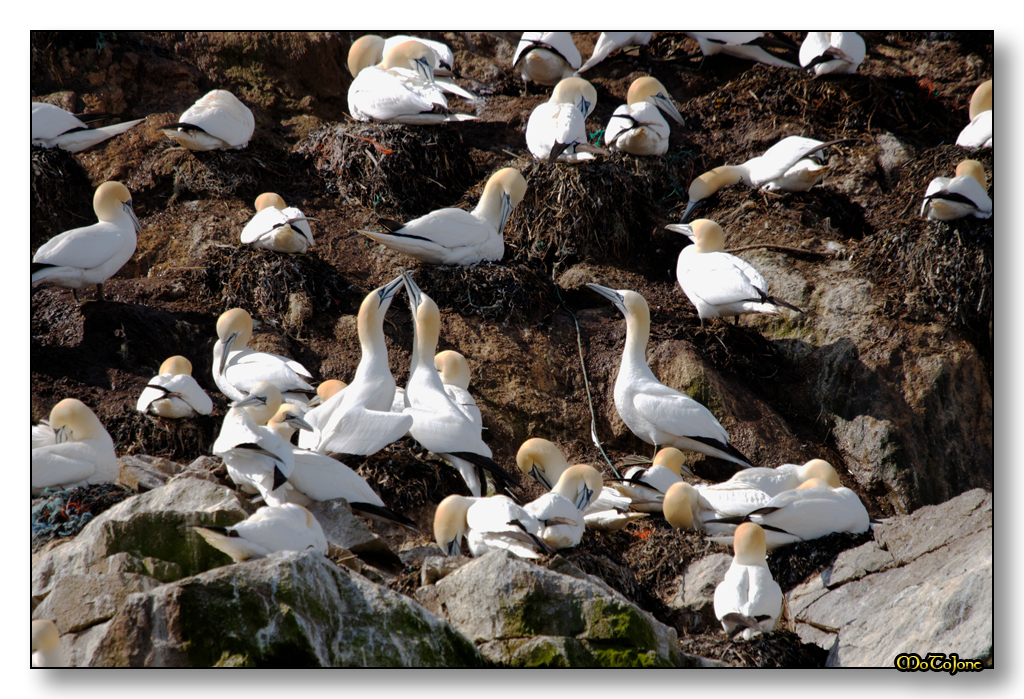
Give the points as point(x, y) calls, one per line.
point(719, 283)
point(488, 524)
point(978, 133)
point(832, 52)
point(638, 126)
point(287, 527)
point(217, 121)
point(612, 41)
point(277, 227)
point(966, 194)
point(173, 393)
point(237, 369)
point(746, 45)
point(546, 57)
point(46, 650)
point(557, 129)
point(456, 236)
point(92, 254)
point(53, 127)
point(438, 424)
point(82, 452)
point(748, 599)
point(655, 413)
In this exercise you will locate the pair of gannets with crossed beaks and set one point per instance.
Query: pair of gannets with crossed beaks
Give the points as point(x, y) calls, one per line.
point(82, 452)
point(287, 527)
point(542, 461)
point(557, 129)
point(217, 121)
point(832, 52)
point(654, 412)
point(92, 254)
point(456, 236)
point(978, 133)
point(638, 126)
point(792, 165)
point(53, 127)
point(546, 57)
point(487, 524)
point(277, 227)
point(719, 283)
point(369, 50)
point(607, 42)
point(966, 194)
point(748, 601)
point(173, 392)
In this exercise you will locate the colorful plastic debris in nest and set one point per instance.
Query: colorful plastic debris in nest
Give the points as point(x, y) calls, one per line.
point(66, 512)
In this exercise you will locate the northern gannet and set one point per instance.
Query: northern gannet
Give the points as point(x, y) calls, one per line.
point(612, 41)
point(438, 423)
point(832, 52)
point(978, 133)
point(689, 507)
point(93, 254)
point(53, 127)
point(654, 412)
point(454, 372)
point(966, 194)
point(773, 481)
point(487, 524)
point(638, 126)
point(82, 453)
point(546, 57)
point(217, 121)
point(277, 227)
point(456, 236)
point(718, 283)
point(647, 486)
point(369, 50)
point(740, 45)
point(791, 165)
point(748, 600)
point(173, 393)
point(46, 650)
point(560, 512)
point(287, 527)
point(324, 390)
point(557, 129)
point(237, 369)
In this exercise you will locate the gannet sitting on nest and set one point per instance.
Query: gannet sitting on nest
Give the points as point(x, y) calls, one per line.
point(966, 194)
point(277, 227)
point(686, 507)
point(560, 512)
point(638, 126)
point(287, 527)
point(746, 45)
point(773, 481)
point(832, 52)
point(607, 42)
point(173, 393)
point(369, 50)
point(53, 127)
point(748, 600)
point(978, 133)
point(487, 524)
point(557, 129)
point(647, 485)
point(546, 57)
point(217, 121)
point(82, 452)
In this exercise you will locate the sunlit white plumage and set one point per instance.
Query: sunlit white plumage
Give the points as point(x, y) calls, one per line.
point(638, 126)
point(613, 41)
point(748, 589)
point(217, 121)
point(173, 392)
point(46, 650)
point(454, 372)
point(287, 527)
point(966, 194)
point(92, 254)
point(557, 128)
point(978, 133)
point(546, 57)
point(456, 236)
point(689, 507)
point(277, 227)
point(487, 524)
point(82, 452)
point(647, 486)
point(560, 512)
point(738, 44)
point(832, 52)
point(53, 127)
point(773, 481)
point(369, 49)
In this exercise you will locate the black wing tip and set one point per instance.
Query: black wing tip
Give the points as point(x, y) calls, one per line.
point(379, 512)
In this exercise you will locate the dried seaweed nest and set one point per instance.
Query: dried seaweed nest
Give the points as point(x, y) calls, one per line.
point(779, 648)
point(181, 441)
point(396, 170)
point(791, 565)
point(61, 194)
point(66, 512)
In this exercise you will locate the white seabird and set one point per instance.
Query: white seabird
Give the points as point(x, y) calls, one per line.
point(82, 452)
point(647, 486)
point(654, 412)
point(277, 226)
point(369, 50)
point(46, 650)
point(53, 127)
point(748, 600)
point(966, 194)
point(557, 129)
point(978, 133)
point(746, 45)
point(173, 393)
point(613, 41)
point(456, 236)
point(287, 527)
point(546, 57)
point(689, 507)
point(638, 126)
point(454, 372)
point(773, 481)
point(488, 524)
point(560, 512)
point(217, 121)
point(718, 283)
point(237, 369)
point(832, 52)
point(93, 254)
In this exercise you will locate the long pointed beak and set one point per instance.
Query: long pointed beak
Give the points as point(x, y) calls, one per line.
point(299, 423)
point(60, 435)
point(612, 295)
point(538, 475)
point(131, 212)
point(414, 291)
point(666, 105)
point(227, 350)
point(390, 289)
point(683, 229)
point(249, 400)
point(690, 206)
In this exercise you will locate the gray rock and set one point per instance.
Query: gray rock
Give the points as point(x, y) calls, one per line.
point(344, 529)
point(695, 591)
point(78, 601)
point(140, 472)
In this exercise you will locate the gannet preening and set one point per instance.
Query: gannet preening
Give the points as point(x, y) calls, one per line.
point(173, 393)
point(560, 512)
point(358, 419)
point(53, 127)
point(456, 236)
point(287, 527)
point(748, 600)
point(546, 57)
point(741, 45)
point(978, 133)
point(557, 129)
point(689, 507)
point(93, 254)
point(647, 486)
point(654, 412)
point(277, 227)
point(613, 41)
point(257, 458)
point(832, 52)
point(217, 121)
point(638, 126)
point(43, 435)
point(454, 372)
point(773, 481)
point(438, 424)
point(718, 283)
point(400, 89)
point(82, 452)
point(792, 165)
point(964, 195)
point(369, 50)
point(46, 650)
point(237, 369)
point(487, 524)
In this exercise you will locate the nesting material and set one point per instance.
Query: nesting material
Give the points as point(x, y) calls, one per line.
point(778, 648)
point(175, 440)
point(61, 194)
point(791, 565)
point(66, 512)
point(507, 293)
